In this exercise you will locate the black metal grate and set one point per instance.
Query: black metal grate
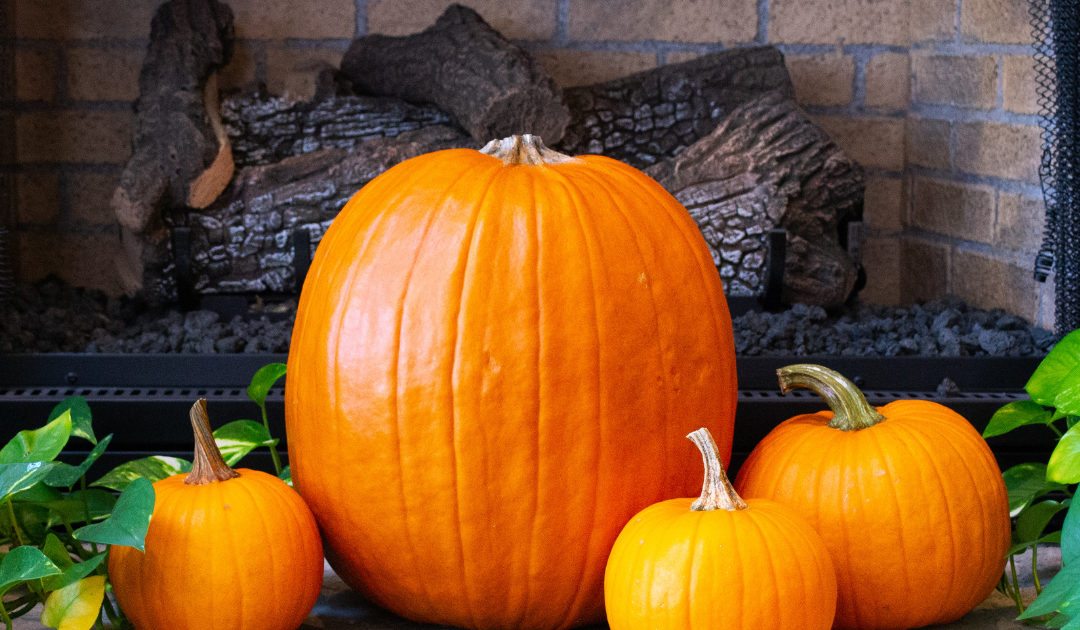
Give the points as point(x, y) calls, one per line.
point(146, 394)
point(1056, 25)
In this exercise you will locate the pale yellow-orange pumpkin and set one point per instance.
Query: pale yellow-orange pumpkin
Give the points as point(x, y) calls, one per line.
point(495, 360)
point(719, 563)
point(226, 550)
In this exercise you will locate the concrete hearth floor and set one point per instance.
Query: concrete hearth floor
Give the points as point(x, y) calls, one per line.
point(340, 608)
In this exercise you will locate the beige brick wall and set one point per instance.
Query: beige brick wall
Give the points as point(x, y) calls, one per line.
point(935, 97)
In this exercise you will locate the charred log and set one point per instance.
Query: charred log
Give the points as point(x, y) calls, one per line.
point(181, 152)
point(243, 241)
point(267, 130)
point(491, 87)
point(646, 117)
point(767, 164)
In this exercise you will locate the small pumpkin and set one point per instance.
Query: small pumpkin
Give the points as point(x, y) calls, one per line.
point(719, 562)
point(908, 498)
point(239, 545)
point(496, 356)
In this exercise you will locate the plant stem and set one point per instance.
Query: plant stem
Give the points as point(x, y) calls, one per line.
point(15, 614)
point(4, 615)
point(717, 492)
point(1016, 585)
point(273, 449)
point(86, 509)
point(1035, 569)
point(1054, 429)
point(75, 544)
point(15, 524)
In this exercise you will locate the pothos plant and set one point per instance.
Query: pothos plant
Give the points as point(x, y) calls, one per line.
point(52, 521)
point(1037, 492)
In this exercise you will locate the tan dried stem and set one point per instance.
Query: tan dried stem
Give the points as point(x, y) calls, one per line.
point(526, 149)
point(717, 493)
point(208, 466)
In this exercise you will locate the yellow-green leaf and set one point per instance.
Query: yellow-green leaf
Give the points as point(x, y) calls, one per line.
point(76, 606)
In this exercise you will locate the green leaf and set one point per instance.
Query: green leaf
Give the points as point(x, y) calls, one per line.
point(1070, 536)
point(1052, 538)
point(1015, 415)
point(55, 551)
point(1063, 588)
point(72, 510)
point(80, 417)
point(1050, 377)
point(38, 493)
point(265, 378)
point(17, 477)
point(1033, 519)
point(239, 438)
point(286, 475)
point(1059, 621)
point(24, 563)
point(1025, 483)
point(153, 468)
point(1064, 465)
point(65, 475)
point(38, 445)
point(129, 520)
point(76, 606)
point(73, 574)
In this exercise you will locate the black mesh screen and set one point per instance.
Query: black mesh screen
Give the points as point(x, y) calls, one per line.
point(1057, 65)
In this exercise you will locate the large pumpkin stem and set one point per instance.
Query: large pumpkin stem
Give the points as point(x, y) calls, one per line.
point(850, 410)
point(526, 149)
point(717, 493)
point(208, 466)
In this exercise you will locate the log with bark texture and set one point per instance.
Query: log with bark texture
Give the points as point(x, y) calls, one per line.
point(181, 154)
point(491, 87)
point(768, 159)
point(242, 242)
point(646, 117)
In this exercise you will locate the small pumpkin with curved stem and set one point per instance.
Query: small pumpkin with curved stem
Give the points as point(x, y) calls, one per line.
point(238, 544)
point(908, 498)
point(719, 562)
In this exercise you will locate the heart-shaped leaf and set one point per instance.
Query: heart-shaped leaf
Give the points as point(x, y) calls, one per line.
point(81, 424)
point(1033, 519)
point(73, 574)
point(76, 606)
point(1053, 538)
point(1065, 587)
point(263, 380)
point(17, 477)
point(239, 438)
point(153, 468)
point(71, 509)
point(38, 445)
point(1015, 415)
point(65, 475)
point(55, 551)
point(24, 563)
point(39, 492)
point(1050, 377)
point(1025, 483)
point(129, 520)
point(1070, 536)
point(1064, 465)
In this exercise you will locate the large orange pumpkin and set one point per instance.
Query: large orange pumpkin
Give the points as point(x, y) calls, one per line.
point(495, 360)
point(908, 498)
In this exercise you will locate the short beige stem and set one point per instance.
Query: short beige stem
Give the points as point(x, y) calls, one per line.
point(717, 492)
point(208, 466)
point(526, 149)
point(850, 410)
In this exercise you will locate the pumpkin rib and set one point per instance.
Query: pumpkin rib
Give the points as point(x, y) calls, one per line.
point(884, 456)
point(255, 515)
point(577, 202)
point(776, 602)
point(918, 438)
point(778, 531)
point(618, 202)
point(467, 256)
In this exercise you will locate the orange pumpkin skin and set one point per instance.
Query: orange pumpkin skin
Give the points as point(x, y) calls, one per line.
point(469, 338)
point(676, 569)
point(913, 510)
point(245, 552)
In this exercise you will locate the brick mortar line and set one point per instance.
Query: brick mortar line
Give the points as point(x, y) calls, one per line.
point(77, 168)
point(967, 49)
point(361, 27)
point(67, 105)
point(562, 23)
point(340, 43)
point(959, 114)
point(86, 229)
point(763, 17)
point(1010, 186)
point(645, 45)
point(853, 112)
point(1014, 257)
point(29, 43)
